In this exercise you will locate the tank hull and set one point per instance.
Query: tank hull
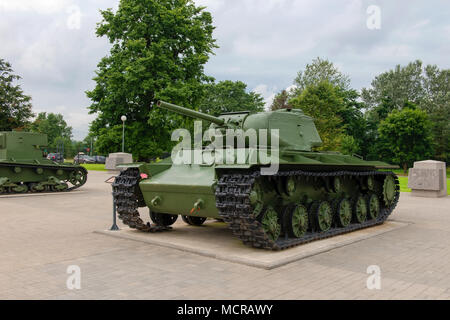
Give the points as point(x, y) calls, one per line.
point(263, 211)
point(25, 177)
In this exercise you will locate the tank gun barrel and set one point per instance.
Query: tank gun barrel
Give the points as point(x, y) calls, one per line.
point(190, 113)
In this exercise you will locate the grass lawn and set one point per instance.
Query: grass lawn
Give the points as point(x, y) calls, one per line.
point(94, 167)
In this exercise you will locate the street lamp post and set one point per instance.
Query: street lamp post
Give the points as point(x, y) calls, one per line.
point(124, 118)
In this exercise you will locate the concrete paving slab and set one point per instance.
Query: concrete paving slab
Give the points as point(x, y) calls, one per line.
point(215, 240)
point(42, 236)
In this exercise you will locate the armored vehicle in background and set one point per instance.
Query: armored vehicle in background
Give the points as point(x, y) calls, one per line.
point(23, 167)
point(313, 195)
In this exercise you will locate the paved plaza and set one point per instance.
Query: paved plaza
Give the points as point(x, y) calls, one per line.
point(42, 235)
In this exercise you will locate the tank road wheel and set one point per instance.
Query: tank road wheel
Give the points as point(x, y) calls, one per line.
point(36, 187)
point(360, 209)
point(78, 177)
point(194, 221)
point(162, 219)
point(23, 188)
point(389, 190)
point(373, 204)
point(323, 216)
point(344, 213)
point(270, 224)
point(297, 221)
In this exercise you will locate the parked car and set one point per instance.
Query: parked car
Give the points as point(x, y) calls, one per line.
point(100, 159)
point(83, 158)
point(57, 157)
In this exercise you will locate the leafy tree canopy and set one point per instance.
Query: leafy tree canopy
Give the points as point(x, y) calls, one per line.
point(323, 102)
point(318, 71)
point(229, 96)
point(159, 48)
point(56, 129)
point(405, 136)
point(428, 87)
point(281, 101)
point(15, 106)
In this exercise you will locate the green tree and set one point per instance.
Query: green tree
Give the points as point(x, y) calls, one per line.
point(229, 96)
point(281, 101)
point(159, 49)
point(56, 129)
point(353, 121)
point(318, 71)
point(323, 102)
point(350, 110)
point(15, 106)
point(398, 85)
point(428, 87)
point(405, 136)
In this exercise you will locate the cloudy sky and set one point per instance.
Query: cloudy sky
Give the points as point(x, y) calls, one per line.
point(52, 43)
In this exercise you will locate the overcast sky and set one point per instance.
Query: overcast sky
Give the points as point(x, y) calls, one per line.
point(52, 43)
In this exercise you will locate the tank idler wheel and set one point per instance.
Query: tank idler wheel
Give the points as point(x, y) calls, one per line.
point(163, 219)
point(360, 209)
point(373, 205)
point(270, 223)
point(344, 213)
point(194, 221)
point(323, 216)
point(389, 190)
point(296, 221)
point(77, 177)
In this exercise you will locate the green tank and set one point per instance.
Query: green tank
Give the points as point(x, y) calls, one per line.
point(23, 167)
point(313, 195)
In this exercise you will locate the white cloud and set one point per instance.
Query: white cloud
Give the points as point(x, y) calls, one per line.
point(38, 6)
point(212, 5)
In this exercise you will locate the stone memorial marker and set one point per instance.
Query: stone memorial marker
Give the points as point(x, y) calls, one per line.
point(428, 179)
point(115, 159)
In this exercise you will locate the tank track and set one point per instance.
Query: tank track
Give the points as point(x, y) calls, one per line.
point(233, 202)
point(84, 171)
point(128, 198)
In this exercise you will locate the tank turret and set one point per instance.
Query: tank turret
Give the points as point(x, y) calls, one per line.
point(297, 131)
